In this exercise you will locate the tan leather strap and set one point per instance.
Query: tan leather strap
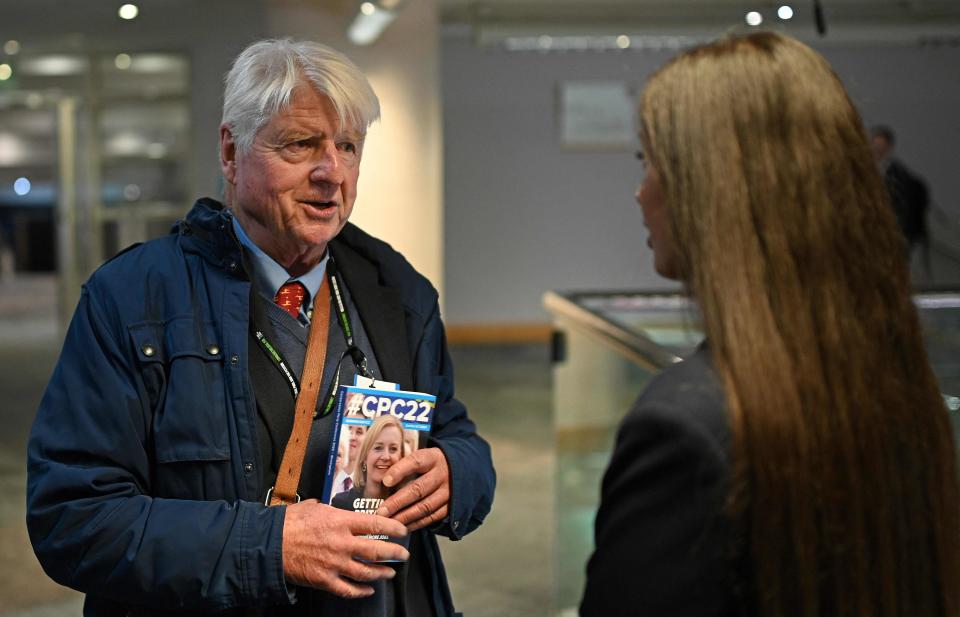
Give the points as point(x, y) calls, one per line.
point(288, 478)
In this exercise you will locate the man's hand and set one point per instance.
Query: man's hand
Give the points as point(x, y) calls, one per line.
point(321, 547)
point(424, 501)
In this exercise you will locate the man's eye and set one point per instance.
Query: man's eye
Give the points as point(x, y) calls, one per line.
point(300, 144)
point(348, 146)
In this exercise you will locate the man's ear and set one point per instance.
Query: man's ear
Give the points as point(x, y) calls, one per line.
point(228, 154)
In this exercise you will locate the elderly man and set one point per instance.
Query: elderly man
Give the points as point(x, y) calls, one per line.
point(167, 419)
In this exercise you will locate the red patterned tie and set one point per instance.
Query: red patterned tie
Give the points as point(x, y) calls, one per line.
point(290, 297)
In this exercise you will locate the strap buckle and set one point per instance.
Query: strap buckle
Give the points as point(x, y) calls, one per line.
point(266, 501)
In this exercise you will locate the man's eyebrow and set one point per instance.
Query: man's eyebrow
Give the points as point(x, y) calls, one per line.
point(288, 133)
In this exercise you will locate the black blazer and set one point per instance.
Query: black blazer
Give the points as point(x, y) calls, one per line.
point(663, 543)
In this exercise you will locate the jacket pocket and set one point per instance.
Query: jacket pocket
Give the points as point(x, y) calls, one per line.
point(181, 364)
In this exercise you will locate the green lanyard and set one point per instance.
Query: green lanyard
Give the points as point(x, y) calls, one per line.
point(355, 353)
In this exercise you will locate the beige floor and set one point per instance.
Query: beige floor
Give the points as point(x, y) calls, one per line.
point(503, 569)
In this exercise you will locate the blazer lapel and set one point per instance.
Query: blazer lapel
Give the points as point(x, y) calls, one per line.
point(380, 311)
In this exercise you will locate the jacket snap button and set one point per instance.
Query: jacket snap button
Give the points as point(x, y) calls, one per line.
point(213, 350)
point(148, 350)
point(456, 524)
point(234, 360)
point(248, 467)
point(232, 266)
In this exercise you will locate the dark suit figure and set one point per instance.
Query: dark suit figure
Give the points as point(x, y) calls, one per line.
point(908, 192)
point(663, 541)
point(345, 500)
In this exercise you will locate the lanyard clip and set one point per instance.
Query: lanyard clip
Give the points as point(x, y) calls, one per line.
point(360, 361)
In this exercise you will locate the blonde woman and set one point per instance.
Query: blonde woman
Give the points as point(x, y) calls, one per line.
point(801, 461)
point(382, 447)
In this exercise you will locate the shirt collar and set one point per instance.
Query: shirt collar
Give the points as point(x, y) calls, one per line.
point(269, 276)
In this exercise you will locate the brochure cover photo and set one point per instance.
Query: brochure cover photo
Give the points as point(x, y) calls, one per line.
point(374, 429)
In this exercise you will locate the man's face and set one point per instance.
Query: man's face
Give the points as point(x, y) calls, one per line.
point(294, 189)
point(881, 147)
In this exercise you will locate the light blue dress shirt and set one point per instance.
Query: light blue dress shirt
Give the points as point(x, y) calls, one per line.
point(268, 276)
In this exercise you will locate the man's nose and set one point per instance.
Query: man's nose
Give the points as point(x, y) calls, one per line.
point(327, 167)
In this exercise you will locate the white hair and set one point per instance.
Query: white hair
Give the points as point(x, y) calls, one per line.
point(262, 78)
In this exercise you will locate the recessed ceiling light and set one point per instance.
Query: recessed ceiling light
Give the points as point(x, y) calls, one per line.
point(754, 18)
point(122, 61)
point(11, 47)
point(785, 12)
point(623, 41)
point(5, 72)
point(21, 186)
point(128, 11)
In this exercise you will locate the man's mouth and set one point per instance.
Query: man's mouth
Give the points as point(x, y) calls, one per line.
point(322, 205)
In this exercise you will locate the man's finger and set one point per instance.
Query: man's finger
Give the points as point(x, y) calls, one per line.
point(365, 524)
point(434, 518)
point(421, 488)
point(348, 589)
point(379, 550)
point(366, 572)
point(423, 508)
point(420, 461)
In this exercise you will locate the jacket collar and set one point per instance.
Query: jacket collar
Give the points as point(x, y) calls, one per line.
point(380, 310)
point(207, 231)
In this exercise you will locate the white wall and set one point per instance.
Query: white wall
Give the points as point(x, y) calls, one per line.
point(399, 196)
point(523, 215)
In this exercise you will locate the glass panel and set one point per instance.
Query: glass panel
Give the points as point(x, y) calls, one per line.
point(595, 384)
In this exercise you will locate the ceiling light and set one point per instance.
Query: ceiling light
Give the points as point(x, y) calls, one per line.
point(369, 24)
point(11, 47)
point(122, 61)
point(53, 65)
point(5, 72)
point(128, 11)
point(21, 186)
point(156, 150)
point(158, 63)
point(754, 18)
point(131, 192)
point(598, 43)
point(785, 12)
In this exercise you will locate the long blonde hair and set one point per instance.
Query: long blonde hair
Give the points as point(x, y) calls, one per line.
point(844, 467)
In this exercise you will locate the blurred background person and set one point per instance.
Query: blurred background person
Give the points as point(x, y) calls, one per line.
point(908, 192)
point(800, 462)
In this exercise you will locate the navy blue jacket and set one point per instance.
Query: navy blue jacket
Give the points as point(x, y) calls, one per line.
point(143, 470)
